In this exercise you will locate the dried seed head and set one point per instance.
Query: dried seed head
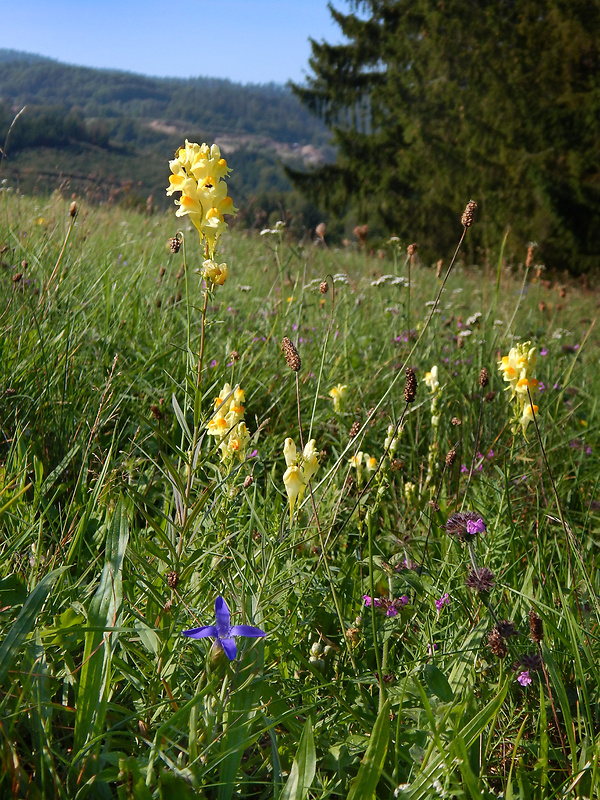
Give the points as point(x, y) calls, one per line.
point(468, 214)
point(411, 249)
point(397, 465)
point(484, 378)
point(156, 412)
point(361, 232)
point(530, 252)
point(481, 580)
point(434, 505)
point(323, 287)
point(248, 482)
point(456, 421)
point(451, 457)
point(489, 397)
point(73, 209)
point(291, 354)
point(172, 579)
point(354, 429)
point(530, 662)
point(410, 390)
point(497, 644)
point(234, 356)
point(17, 277)
point(506, 629)
point(161, 272)
point(438, 271)
point(320, 230)
point(175, 243)
point(536, 628)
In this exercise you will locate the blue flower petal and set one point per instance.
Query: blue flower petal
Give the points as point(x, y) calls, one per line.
point(229, 647)
point(246, 630)
point(223, 617)
point(200, 633)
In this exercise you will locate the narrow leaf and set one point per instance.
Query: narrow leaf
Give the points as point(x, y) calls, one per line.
point(373, 760)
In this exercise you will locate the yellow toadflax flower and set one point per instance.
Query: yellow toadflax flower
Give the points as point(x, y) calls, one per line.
point(217, 274)
point(338, 393)
point(517, 370)
point(431, 380)
point(300, 469)
point(199, 173)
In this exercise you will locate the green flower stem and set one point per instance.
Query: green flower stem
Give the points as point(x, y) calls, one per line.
point(373, 621)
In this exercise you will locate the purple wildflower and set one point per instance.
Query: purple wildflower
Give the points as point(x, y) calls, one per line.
point(223, 632)
point(525, 678)
point(444, 600)
point(478, 526)
point(544, 351)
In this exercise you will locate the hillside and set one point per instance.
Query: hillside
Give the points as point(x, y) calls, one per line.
point(108, 133)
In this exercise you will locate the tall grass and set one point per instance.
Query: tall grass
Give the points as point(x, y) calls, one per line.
point(121, 525)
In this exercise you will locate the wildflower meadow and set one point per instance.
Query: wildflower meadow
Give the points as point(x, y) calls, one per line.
point(285, 520)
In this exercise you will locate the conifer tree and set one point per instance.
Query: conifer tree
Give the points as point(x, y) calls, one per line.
point(432, 102)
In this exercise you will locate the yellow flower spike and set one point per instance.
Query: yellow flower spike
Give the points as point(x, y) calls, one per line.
point(199, 174)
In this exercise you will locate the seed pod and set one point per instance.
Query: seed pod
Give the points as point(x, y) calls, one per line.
point(484, 378)
point(175, 243)
point(323, 287)
point(536, 628)
point(354, 429)
point(172, 579)
point(291, 354)
point(411, 249)
point(73, 209)
point(410, 390)
point(248, 482)
point(497, 644)
point(468, 214)
point(451, 457)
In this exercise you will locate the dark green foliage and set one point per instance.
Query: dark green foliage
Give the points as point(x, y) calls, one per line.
point(432, 103)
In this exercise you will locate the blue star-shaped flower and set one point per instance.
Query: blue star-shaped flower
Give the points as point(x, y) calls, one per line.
point(223, 632)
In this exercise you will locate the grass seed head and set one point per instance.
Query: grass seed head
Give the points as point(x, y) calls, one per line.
point(536, 628)
point(291, 354)
point(468, 214)
point(410, 390)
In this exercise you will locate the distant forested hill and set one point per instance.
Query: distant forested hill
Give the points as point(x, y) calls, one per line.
point(109, 133)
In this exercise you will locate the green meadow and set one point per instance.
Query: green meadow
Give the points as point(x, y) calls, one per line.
point(428, 595)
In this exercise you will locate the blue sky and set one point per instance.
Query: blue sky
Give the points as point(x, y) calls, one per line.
point(249, 41)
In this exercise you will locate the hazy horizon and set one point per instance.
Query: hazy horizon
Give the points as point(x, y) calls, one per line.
point(247, 41)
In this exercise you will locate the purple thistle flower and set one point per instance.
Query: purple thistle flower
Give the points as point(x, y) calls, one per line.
point(223, 632)
point(525, 678)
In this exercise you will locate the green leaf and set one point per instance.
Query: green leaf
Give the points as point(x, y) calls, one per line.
point(438, 683)
point(303, 768)
point(373, 760)
point(103, 615)
point(24, 623)
point(13, 591)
